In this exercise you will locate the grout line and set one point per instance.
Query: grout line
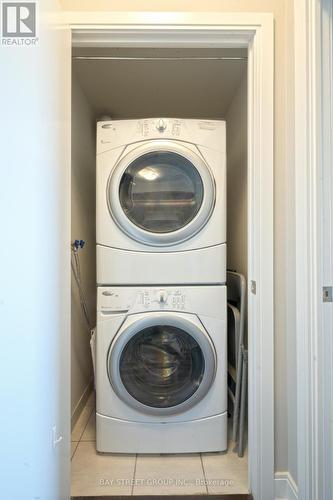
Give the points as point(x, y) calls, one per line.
point(72, 454)
point(92, 409)
point(204, 473)
point(134, 473)
point(82, 403)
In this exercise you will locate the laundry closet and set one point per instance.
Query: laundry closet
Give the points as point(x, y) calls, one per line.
point(179, 437)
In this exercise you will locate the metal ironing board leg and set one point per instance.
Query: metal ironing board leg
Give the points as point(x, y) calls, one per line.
point(237, 398)
point(237, 370)
point(243, 403)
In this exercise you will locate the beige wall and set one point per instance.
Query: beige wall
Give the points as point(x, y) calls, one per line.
point(285, 421)
point(236, 119)
point(83, 227)
point(176, 5)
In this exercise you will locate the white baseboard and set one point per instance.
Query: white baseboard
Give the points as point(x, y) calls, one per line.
point(82, 401)
point(285, 487)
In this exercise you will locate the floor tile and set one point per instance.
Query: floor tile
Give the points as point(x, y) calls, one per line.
point(169, 475)
point(225, 473)
point(89, 433)
point(81, 423)
point(73, 448)
point(101, 474)
point(92, 399)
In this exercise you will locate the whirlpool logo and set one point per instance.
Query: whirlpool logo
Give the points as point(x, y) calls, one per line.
point(19, 23)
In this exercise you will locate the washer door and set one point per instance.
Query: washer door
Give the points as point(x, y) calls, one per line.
point(162, 364)
point(161, 193)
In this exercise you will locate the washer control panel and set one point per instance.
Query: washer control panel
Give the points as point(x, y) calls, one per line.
point(114, 300)
point(163, 298)
point(123, 299)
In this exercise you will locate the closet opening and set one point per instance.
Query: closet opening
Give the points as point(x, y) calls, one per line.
point(148, 85)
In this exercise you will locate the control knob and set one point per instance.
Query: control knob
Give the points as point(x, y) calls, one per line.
point(161, 125)
point(162, 296)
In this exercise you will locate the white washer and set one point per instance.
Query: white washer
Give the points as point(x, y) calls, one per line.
point(161, 375)
point(161, 202)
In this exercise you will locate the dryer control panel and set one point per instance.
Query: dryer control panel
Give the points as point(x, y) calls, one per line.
point(148, 127)
point(116, 133)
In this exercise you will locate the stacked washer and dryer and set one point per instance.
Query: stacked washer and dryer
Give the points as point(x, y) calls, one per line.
point(161, 358)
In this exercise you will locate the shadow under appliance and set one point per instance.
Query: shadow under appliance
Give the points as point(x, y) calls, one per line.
point(161, 202)
point(161, 369)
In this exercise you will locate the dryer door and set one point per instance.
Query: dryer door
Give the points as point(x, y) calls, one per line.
point(162, 363)
point(161, 193)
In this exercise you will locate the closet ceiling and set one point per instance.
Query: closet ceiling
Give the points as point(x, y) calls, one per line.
point(181, 87)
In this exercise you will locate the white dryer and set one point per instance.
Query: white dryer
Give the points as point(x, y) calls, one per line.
point(161, 202)
point(161, 375)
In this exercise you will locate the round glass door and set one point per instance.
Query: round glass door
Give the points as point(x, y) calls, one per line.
point(162, 366)
point(161, 193)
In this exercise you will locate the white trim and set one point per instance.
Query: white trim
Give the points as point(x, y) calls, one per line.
point(114, 37)
point(227, 30)
point(314, 343)
point(285, 487)
point(165, 29)
point(260, 244)
point(325, 206)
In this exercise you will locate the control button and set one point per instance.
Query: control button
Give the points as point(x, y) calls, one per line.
point(161, 125)
point(145, 129)
point(176, 128)
point(144, 298)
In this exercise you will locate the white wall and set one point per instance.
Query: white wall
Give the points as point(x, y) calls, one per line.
point(83, 227)
point(34, 265)
point(236, 119)
point(289, 198)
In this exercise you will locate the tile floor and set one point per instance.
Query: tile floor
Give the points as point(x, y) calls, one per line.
point(190, 474)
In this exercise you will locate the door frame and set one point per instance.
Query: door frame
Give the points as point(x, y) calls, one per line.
point(253, 31)
point(313, 36)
